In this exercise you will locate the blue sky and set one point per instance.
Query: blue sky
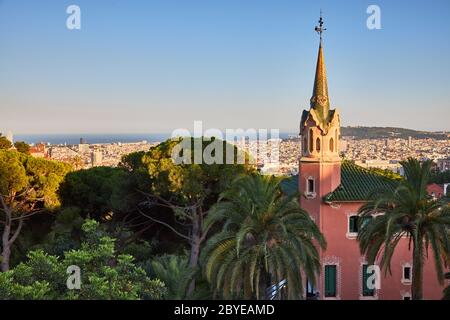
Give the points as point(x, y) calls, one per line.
point(157, 65)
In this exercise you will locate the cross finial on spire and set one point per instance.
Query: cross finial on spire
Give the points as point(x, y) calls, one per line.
point(320, 29)
point(319, 99)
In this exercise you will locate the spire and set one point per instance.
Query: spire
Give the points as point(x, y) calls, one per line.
point(319, 100)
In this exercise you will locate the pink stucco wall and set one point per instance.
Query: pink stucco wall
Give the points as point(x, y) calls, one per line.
point(343, 249)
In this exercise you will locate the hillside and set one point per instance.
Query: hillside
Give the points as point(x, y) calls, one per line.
point(389, 132)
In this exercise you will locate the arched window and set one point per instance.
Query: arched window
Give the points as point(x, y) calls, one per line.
point(331, 145)
point(305, 145)
point(336, 139)
point(310, 187)
point(318, 144)
point(311, 140)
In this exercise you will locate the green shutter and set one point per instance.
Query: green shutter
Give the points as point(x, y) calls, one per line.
point(330, 281)
point(365, 275)
point(353, 224)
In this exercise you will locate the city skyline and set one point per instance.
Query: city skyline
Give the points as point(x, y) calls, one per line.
point(159, 66)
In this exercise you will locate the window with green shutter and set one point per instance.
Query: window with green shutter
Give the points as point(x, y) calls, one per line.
point(365, 276)
point(330, 280)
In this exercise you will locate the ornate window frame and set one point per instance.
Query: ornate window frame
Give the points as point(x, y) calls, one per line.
point(362, 262)
point(406, 294)
point(404, 280)
point(310, 194)
point(333, 261)
point(350, 235)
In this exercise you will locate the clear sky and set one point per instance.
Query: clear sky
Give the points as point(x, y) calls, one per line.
point(157, 65)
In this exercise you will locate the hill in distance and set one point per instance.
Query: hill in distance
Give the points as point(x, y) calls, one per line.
point(390, 132)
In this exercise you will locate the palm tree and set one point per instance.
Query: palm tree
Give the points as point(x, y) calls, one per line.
point(447, 290)
point(266, 239)
point(407, 211)
point(175, 272)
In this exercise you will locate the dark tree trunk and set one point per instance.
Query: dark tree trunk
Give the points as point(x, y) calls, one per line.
point(7, 238)
point(6, 247)
point(417, 272)
point(195, 249)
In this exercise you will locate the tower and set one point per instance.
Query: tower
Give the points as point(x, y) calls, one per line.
point(10, 136)
point(320, 164)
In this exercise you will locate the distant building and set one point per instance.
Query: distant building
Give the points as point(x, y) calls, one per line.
point(394, 166)
point(270, 169)
point(96, 158)
point(39, 151)
point(443, 164)
point(10, 137)
point(82, 141)
point(446, 189)
point(343, 146)
point(410, 142)
point(435, 190)
point(83, 148)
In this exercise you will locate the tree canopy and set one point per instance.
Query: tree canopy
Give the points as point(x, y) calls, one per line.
point(98, 191)
point(22, 147)
point(190, 188)
point(104, 273)
point(267, 239)
point(28, 186)
point(5, 144)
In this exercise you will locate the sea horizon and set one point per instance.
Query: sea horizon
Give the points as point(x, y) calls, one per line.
point(101, 138)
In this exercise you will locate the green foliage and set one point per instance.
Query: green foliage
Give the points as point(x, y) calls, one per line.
point(65, 233)
point(27, 186)
point(387, 173)
point(46, 176)
point(13, 174)
point(98, 191)
point(5, 144)
point(175, 272)
point(189, 181)
point(132, 161)
point(104, 273)
point(446, 293)
point(407, 211)
point(447, 290)
point(140, 250)
point(37, 179)
point(10, 290)
point(266, 238)
point(440, 177)
point(22, 147)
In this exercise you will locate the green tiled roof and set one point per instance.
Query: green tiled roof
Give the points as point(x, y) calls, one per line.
point(356, 184)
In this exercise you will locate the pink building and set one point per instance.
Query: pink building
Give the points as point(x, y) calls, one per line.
point(332, 191)
point(435, 190)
